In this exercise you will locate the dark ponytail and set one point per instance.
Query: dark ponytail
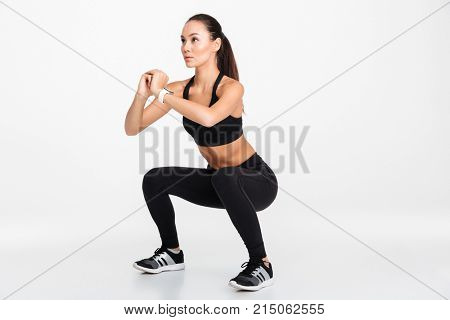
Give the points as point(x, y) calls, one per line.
point(225, 57)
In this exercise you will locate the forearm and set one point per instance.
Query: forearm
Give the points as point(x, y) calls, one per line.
point(134, 115)
point(192, 110)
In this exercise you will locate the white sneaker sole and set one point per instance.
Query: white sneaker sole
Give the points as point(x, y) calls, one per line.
point(172, 267)
point(266, 283)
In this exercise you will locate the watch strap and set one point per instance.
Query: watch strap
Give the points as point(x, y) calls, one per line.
point(162, 93)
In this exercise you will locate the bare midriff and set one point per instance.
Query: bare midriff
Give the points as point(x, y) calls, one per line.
point(231, 154)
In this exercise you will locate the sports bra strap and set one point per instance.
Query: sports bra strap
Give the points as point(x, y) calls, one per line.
point(186, 89)
point(214, 97)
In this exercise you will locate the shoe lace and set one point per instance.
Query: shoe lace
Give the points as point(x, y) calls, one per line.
point(157, 253)
point(250, 267)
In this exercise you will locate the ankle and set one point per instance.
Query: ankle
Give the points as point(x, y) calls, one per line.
point(174, 250)
point(266, 261)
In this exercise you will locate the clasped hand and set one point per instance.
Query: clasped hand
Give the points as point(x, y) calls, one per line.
point(152, 82)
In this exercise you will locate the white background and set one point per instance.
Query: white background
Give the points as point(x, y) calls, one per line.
point(370, 220)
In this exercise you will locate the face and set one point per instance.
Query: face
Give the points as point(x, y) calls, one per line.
point(196, 44)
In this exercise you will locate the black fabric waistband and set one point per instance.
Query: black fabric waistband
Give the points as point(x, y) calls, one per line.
point(254, 162)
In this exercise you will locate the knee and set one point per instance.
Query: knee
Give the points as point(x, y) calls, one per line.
point(151, 180)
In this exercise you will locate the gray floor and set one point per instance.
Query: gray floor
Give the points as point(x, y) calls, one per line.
point(312, 258)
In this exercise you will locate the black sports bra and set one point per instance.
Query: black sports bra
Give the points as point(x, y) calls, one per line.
point(223, 132)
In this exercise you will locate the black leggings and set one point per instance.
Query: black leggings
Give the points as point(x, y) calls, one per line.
point(241, 190)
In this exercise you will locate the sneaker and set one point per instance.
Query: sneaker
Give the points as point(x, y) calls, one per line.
point(162, 260)
point(254, 277)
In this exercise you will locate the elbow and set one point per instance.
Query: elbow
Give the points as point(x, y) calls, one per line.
point(209, 122)
point(131, 131)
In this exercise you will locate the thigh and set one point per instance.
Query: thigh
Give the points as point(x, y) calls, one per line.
point(191, 184)
point(258, 186)
point(260, 189)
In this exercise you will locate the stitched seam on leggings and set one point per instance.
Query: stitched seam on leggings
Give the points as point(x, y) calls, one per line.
point(243, 191)
point(264, 171)
point(267, 180)
point(271, 182)
point(269, 176)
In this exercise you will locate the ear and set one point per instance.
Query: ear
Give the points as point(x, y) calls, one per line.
point(217, 44)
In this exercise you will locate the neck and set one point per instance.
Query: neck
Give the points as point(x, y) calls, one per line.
point(205, 77)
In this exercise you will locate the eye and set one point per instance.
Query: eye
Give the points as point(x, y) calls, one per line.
point(193, 39)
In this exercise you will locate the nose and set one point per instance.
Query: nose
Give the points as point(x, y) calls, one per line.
point(186, 47)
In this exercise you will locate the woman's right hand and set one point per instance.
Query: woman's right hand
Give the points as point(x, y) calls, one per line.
point(144, 85)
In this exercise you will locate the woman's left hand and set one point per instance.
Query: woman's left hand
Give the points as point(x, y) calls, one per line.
point(159, 81)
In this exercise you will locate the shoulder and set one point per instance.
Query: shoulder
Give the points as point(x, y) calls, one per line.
point(228, 84)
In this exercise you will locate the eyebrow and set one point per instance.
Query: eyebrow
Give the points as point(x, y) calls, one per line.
point(191, 34)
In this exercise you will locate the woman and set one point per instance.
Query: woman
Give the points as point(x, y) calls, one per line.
point(236, 178)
